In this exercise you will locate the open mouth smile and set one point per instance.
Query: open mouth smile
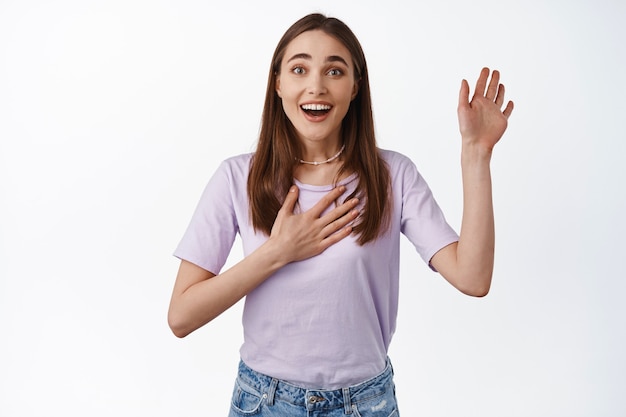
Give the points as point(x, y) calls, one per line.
point(316, 110)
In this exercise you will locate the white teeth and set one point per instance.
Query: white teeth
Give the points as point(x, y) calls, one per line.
point(315, 107)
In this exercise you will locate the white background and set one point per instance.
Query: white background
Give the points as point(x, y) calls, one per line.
point(114, 114)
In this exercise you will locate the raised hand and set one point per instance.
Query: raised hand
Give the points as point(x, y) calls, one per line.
point(482, 121)
point(468, 264)
point(307, 234)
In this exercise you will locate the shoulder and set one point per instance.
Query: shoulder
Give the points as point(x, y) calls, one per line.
point(231, 173)
point(235, 167)
point(238, 162)
point(402, 170)
point(396, 161)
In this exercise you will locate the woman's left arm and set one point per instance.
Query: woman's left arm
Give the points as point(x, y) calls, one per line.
point(468, 263)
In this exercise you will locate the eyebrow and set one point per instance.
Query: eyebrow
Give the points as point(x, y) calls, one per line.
point(331, 58)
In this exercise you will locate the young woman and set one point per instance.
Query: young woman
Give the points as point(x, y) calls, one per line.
point(320, 225)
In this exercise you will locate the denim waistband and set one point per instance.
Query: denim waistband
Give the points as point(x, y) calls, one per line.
point(276, 389)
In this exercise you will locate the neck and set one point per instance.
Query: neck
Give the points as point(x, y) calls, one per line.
point(320, 161)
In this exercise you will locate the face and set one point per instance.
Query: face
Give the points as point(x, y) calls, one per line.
point(316, 84)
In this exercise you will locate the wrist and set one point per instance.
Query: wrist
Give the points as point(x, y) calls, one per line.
point(475, 153)
point(271, 254)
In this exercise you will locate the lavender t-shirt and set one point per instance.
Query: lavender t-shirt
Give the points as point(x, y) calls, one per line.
point(325, 322)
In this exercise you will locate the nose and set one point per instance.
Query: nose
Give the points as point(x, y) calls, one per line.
point(317, 85)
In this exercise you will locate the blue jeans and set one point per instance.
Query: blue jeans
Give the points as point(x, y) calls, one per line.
point(260, 395)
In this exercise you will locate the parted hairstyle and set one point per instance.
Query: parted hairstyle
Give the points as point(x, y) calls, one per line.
point(273, 163)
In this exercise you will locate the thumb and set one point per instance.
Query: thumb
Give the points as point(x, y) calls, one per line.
point(464, 95)
point(290, 200)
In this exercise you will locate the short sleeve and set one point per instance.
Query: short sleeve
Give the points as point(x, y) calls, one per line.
point(213, 227)
point(422, 222)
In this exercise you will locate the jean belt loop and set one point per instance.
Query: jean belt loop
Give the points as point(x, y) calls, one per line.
point(347, 404)
point(271, 392)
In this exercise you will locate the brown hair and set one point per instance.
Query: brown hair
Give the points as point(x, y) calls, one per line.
point(271, 172)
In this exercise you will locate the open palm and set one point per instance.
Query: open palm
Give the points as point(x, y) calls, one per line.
point(482, 121)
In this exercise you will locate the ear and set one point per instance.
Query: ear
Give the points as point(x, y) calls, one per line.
point(355, 89)
point(278, 86)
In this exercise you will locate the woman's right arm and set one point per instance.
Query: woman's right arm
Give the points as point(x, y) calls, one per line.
point(199, 295)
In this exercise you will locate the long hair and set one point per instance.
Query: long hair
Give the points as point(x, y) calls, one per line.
point(273, 164)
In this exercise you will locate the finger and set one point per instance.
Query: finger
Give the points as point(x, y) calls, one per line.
point(340, 212)
point(290, 200)
point(340, 228)
point(340, 223)
point(336, 237)
point(464, 95)
point(492, 90)
point(508, 109)
point(325, 202)
point(500, 96)
point(481, 83)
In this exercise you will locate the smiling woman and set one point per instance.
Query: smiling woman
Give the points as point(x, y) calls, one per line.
point(318, 62)
point(320, 225)
point(316, 89)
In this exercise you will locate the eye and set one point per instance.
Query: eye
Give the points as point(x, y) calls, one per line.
point(298, 70)
point(335, 72)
